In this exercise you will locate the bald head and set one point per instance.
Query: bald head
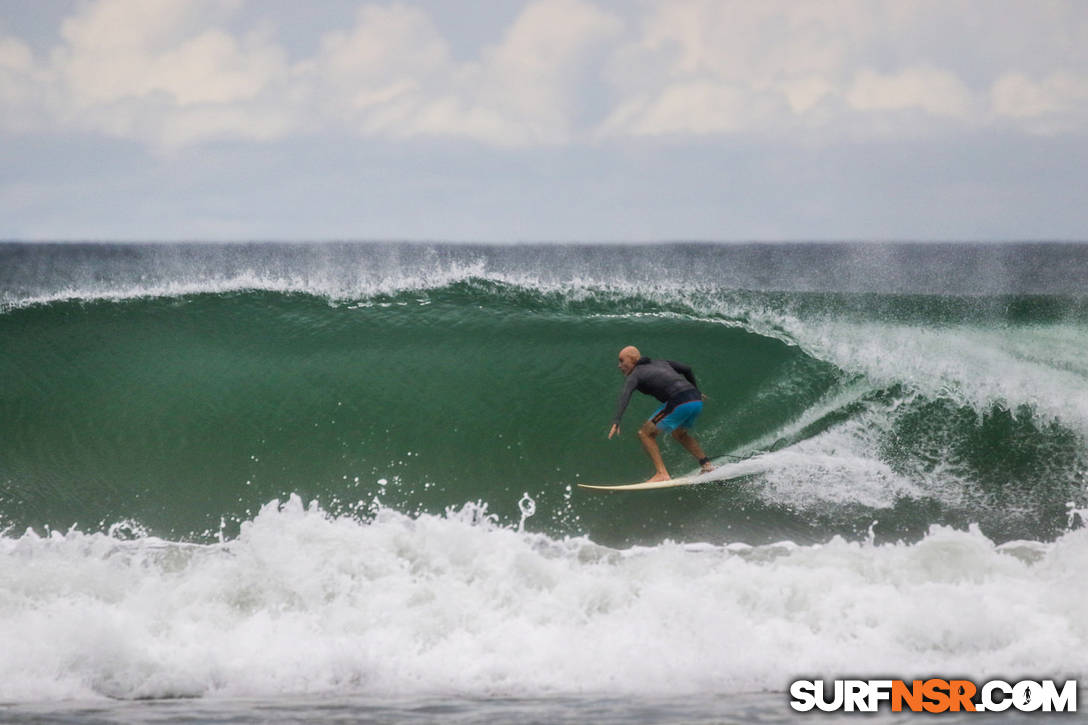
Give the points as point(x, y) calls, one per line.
point(629, 356)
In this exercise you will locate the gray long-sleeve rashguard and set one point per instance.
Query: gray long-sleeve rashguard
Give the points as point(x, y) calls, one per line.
point(663, 379)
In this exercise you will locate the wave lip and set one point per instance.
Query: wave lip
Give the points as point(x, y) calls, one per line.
point(303, 602)
point(39, 271)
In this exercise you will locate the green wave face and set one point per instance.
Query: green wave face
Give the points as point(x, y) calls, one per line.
point(180, 413)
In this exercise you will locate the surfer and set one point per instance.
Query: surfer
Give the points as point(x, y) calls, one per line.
point(673, 384)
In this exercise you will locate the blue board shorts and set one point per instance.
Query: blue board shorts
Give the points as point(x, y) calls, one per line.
point(682, 416)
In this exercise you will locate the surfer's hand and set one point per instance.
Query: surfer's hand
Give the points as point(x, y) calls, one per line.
point(615, 431)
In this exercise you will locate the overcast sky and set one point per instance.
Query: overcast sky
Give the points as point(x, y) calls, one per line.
point(546, 120)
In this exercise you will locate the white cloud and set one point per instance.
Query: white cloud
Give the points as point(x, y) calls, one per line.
point(702, 66)
point(375, 75)
point(393, 74)
point(15, 55)
point(1056, 103)
point(161, 72)
point(16, 64)
point(532, 75)
point(27, 91)
point(385, 43)
point(172, 73)
point(690, 107)
point(117, 49)
point(935, 91)
point(707, 67)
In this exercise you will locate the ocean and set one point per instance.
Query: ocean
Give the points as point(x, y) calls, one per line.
point(278, 482)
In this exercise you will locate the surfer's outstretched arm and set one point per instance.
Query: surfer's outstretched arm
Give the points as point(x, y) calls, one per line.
point(623, 400)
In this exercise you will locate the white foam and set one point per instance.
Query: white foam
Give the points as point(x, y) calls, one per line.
point(305, 603)
point(1039, 366)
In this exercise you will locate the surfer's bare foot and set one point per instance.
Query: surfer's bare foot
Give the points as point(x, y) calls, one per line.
point(706, 468)
point(658, 477)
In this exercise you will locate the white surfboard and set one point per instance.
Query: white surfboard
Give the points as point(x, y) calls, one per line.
point(726, 472)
